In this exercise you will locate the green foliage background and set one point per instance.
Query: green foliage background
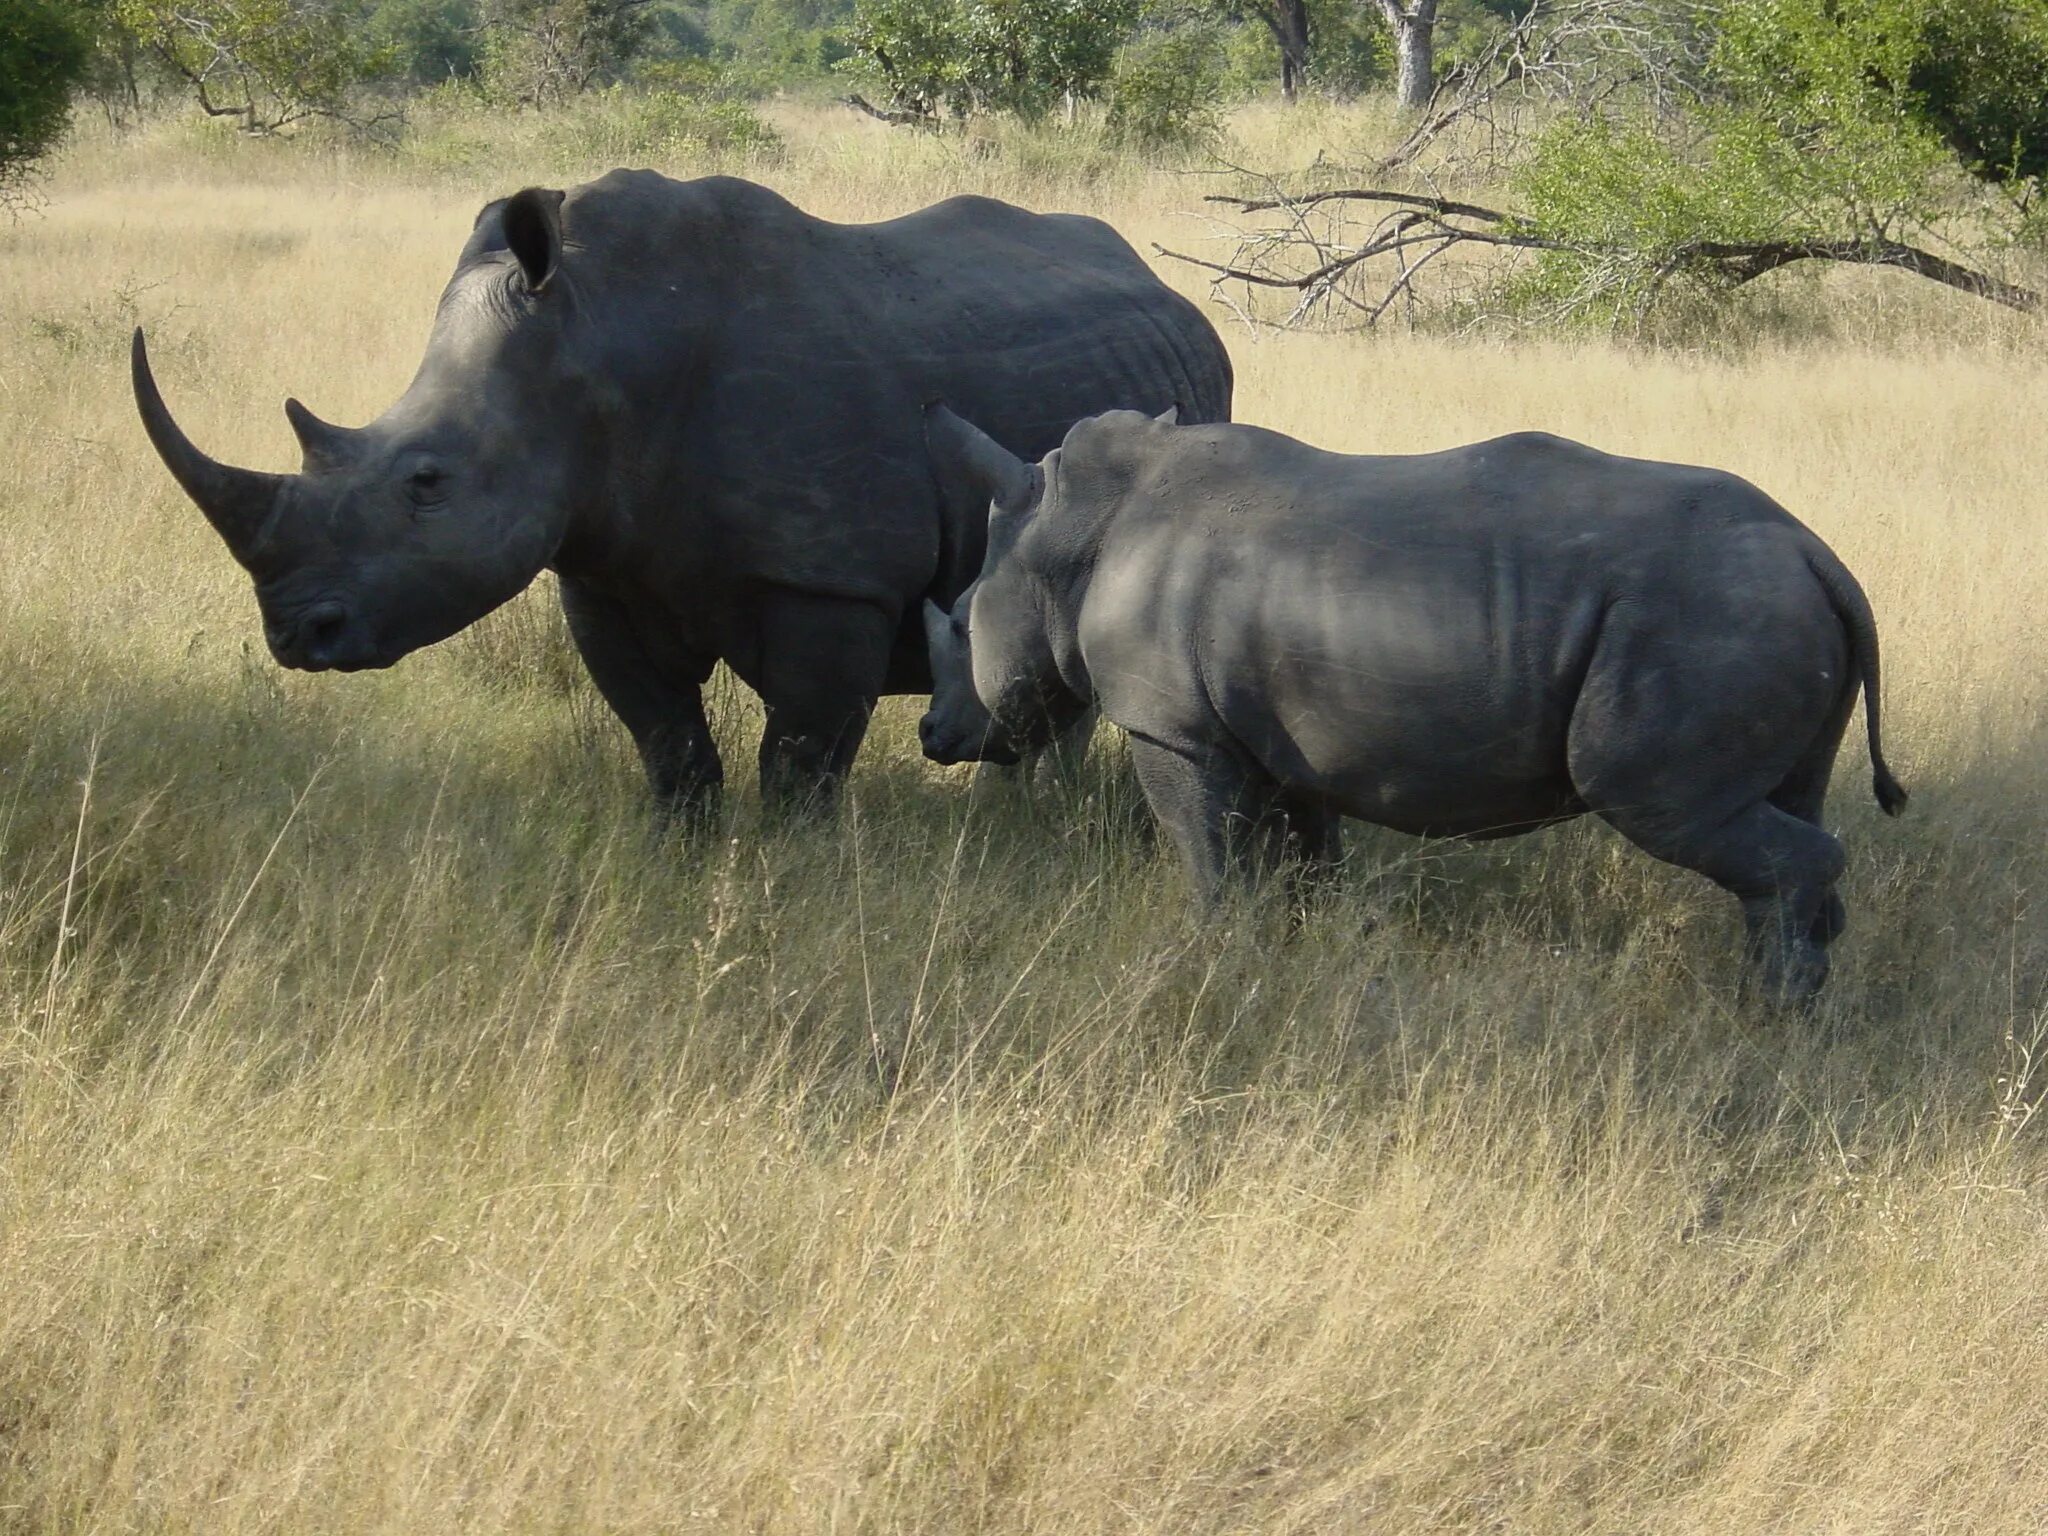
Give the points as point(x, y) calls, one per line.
point(1838, 121)
point(44, 49)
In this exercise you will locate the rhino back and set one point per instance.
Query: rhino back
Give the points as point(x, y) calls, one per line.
point(1409, 634)
point(769, 367)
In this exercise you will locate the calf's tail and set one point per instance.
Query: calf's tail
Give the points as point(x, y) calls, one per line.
point(1853, 608)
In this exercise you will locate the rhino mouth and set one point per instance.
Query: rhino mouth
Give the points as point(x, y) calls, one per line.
point(947, 748)
point(325, 636)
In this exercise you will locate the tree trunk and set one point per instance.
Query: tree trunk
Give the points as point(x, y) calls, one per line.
point(1414, 29)
point(1287, 20)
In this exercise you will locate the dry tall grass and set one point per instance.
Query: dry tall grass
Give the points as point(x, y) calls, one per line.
point(397, 1140)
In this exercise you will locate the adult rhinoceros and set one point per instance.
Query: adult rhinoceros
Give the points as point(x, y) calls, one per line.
point(1474, 643)
point(699, 406)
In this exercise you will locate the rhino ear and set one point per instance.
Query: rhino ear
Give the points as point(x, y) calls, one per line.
point(938, 632)
point(1170, 417)
point(961, 450)
point(533, 230)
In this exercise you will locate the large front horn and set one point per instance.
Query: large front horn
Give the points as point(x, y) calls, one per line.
point(236, 501)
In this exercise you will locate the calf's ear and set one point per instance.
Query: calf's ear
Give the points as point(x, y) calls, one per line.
point(1170, 417)
point(533, 230)
point(962, 451)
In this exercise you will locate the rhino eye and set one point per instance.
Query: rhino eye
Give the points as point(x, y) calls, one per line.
point(426, 485)
point(959, 627)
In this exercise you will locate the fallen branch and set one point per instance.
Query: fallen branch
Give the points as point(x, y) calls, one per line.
point(1745, 263)
point(1312, 260)
point(895, 117)
point(1437, 205)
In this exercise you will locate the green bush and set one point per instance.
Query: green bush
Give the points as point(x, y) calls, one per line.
point(659, 127)
point(1168, 89)
point(1351, 50)
point(671, 123)
point(44, 50)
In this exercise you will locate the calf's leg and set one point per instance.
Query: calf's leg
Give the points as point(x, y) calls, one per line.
point(1702, 741)
point(1804, 793)
point(1782, 869)
point(1220, 812)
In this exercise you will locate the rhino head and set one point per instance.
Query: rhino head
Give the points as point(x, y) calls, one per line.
point(997, 692)
point(397, 534)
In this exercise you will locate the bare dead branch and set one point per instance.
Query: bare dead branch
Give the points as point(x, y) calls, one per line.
point(1311, 255)
point(895, 117)
point(1308, 200)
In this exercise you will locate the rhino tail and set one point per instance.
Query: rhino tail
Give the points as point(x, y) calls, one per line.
point(1846, 597)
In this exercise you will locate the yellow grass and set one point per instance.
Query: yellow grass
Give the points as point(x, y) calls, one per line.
point(398, 1140)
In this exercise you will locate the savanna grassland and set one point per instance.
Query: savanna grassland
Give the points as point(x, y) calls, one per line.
point(400, 1137)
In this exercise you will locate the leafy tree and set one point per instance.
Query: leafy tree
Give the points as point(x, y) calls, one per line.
point(1168, 88)
point(775, 40)
point(918, 51)
point(426, 42)
point(269, 62)
point(1289, 23)
point(1830, 129)
point(1344, 48)
point(1466, 28)
point(44, 50)
point(1972, 74)
point(966, 56)
point(541, 52)
point(1677, 150)
point(1981, 81)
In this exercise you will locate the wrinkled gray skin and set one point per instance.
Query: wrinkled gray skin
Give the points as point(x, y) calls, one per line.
point(700, 407)
point(1472, 643)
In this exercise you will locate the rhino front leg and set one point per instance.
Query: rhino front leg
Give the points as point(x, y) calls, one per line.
point(1218, 811)
point(823, 662)
point(663, 708)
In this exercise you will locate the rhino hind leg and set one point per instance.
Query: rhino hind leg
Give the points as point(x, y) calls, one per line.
point(1804, 793)
point(1709, 746)
point(1782, 868)
point(822, 664)
point(1305, 842)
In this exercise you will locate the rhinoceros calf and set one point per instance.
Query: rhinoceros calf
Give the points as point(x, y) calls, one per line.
point(1473, 643)
point(699, 406)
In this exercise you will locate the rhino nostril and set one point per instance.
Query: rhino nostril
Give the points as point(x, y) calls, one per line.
point(320, 630)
